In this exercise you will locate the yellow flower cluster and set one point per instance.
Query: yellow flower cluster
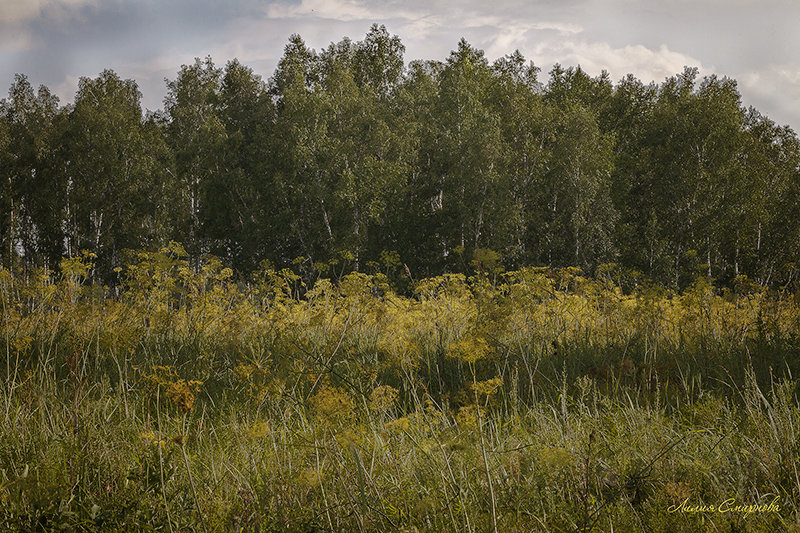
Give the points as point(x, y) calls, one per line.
point(181, 394)
point(488, 387)
point(332, 404)
point(383, 398)
point(469, 416)
point(150, 438)
point(258, 430)
point(469, 349)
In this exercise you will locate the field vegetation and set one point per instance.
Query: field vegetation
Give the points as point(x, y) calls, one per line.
point(185, 399)
point(454, 294)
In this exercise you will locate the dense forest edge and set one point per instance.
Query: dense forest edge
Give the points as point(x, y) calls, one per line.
point(348, 155)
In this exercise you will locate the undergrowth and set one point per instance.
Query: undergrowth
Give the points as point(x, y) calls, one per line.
point(536, 400)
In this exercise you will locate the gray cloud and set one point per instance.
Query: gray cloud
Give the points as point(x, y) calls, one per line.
point(57, 41)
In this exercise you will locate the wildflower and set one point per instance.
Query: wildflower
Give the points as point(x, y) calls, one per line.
point(258, 430)
point(348, 438)
point(488, 387)
point(150, 438)
point(332, 403)
point(430, 408)
point(677, 492)
point(469, 416)
point(383, 397)
point(181, 394)
point(401, 425)
point(469, 349)
point(310, 479)
point(244, 372)
point(555, 457)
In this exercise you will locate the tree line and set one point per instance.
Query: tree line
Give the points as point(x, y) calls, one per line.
point(350, 158)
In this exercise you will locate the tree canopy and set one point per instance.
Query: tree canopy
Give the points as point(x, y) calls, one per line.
point(349, 158)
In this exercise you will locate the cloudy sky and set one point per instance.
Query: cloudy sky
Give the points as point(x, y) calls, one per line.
point(55, 42)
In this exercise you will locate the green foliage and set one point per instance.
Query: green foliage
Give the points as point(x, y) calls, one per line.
point(114, 171)
point(349, 150)
point(32, 186)
point(441, 296)
point(538, 399)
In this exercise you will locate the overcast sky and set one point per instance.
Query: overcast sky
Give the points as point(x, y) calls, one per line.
point(756, 42)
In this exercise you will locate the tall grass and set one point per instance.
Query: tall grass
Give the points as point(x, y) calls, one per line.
point(540, 400)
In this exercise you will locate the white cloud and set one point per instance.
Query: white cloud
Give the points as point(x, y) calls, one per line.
point(15, 34)
point(146, 69)
point(15, 39)
point(341, 10)
point(421, 27)
point(510, 38)
point(16, 11)
point(645, 63)
point(774, 90)
point(66, 89)
point(504, 23)
point(561, 27)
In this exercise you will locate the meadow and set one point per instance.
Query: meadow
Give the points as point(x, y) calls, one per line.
point(188, 399)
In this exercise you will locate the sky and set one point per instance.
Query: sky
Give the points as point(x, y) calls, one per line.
point(55, 42)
